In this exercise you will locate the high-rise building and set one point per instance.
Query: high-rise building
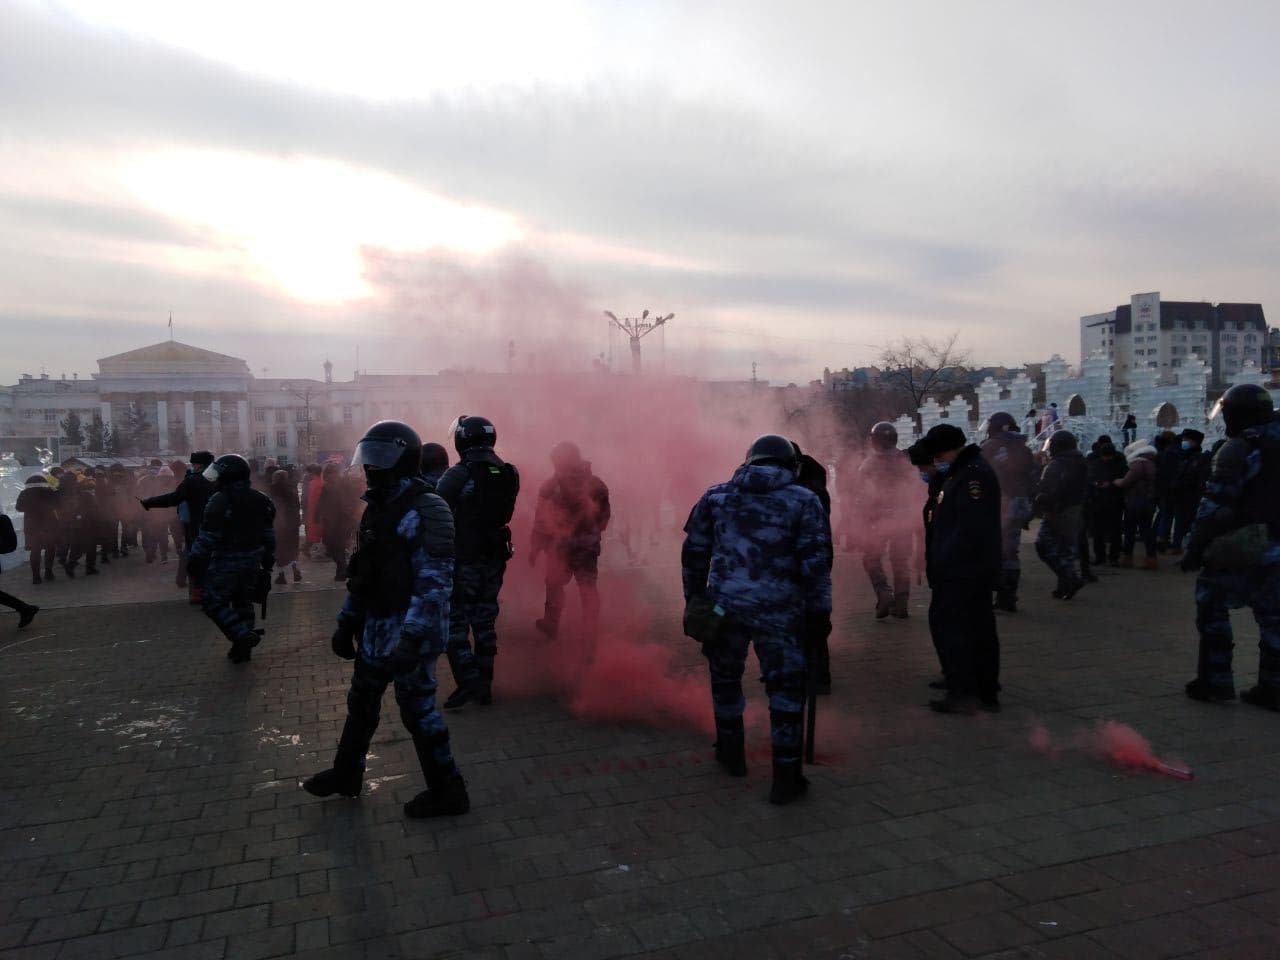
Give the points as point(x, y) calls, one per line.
point(1163, 334)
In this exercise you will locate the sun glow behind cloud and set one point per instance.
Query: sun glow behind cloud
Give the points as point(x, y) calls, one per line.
point(299, 223)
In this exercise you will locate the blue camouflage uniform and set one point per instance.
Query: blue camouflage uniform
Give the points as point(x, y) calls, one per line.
point(481, 491)
point(399, 594)
point(759, 546)
point(233, 551)
point(1242, 490)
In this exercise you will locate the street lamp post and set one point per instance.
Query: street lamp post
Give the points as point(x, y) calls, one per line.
point(637, 328)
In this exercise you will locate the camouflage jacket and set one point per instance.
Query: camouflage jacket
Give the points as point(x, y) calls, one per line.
point(426, 532)
point(758, 545)
point(1239, 490)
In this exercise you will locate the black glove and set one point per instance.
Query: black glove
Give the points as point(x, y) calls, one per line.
point(406, 656)
point(343, 642)
point(817, 627)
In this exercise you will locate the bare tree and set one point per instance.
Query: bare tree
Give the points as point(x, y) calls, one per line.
point(919, 366)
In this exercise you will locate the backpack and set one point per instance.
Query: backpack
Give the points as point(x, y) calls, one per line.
point(8, 536)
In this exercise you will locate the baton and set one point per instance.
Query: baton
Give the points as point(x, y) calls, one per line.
point(811, 703)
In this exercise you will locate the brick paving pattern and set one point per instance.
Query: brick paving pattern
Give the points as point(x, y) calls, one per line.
point(151, 805)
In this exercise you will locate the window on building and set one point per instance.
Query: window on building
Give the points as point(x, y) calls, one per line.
point(51, 416)
point(281, 414)
point(346, 414)
point(282, 438)
point(260, 416)
point(259, 439)
point(300, 414)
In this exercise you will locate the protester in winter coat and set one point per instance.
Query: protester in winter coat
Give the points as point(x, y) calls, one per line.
point(284, 494)
point(38, 504)
point(1139, 486)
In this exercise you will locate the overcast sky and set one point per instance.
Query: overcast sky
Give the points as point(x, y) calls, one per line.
point(798, 182)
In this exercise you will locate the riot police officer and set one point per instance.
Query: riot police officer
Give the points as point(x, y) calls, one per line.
point(394, 621)
point(756, 572)
point(481, 491)
point(234, 553)
point(1236, 540)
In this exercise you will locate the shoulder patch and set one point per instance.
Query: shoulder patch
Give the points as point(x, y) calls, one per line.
point(975, 489)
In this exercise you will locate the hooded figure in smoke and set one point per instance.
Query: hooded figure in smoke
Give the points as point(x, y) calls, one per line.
point(571, 517)
point(481, 491)
point(888, 519)
point(756, 573)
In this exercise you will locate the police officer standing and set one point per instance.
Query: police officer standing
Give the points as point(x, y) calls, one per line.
point(481, 491)
point(571, 517)
point(395, 620)
point(1007, 453)
point(1236, 539)
point(234, 553)
point(964, 564)
point(756, 573)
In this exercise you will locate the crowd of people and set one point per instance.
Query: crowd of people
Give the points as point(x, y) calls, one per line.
point(432, 542)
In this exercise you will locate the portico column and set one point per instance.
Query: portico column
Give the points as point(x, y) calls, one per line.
point(189, 417)
point(162, 424)
point(242, 421)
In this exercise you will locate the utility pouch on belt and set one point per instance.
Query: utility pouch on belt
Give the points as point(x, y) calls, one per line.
point(704, 620)
point(1240, 549)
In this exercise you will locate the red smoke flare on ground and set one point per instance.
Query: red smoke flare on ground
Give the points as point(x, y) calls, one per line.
point(1117, 742)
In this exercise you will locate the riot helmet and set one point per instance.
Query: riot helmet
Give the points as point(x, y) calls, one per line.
point(469, 431)
point(1001, 422)
point(435, 458)
point(1243, 406)
point(884, 436)
point(771, 448)
point(388, 450)
point(228, 469)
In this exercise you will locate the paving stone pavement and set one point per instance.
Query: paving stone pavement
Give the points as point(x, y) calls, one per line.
point(151, 805)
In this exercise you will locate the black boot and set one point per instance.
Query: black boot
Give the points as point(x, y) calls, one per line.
point(484, 689)
point(1203, 690)
point(445, 798)
point(1266, 697)
point(328, 782)
point(446, 793)
point(884, 602)
point(789, 783)
point(460, 697)
point(731, 753)
point(26, 614)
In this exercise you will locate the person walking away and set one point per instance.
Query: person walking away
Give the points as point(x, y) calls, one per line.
point(8, 544)
point(155, 528)
point(1139, 486)
point(38, 504)
point(1060, 503)
point(568, 523)
point(1235, 544)
point(334, 514)
point(964, 565)
point(812, 475)
point(233, 554)
point(1007, 453)
point(481, 490)
point(1129, 432)
point(394, 622)
point(756, 574)
point(284, 497)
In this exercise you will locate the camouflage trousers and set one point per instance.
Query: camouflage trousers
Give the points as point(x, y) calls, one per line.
point(782, 663)
point(416, 698)
point(1058, 543)
point(473, 609)
point(1217, 593)
point(898, 546)
point(229, 585)
point(1014, 514)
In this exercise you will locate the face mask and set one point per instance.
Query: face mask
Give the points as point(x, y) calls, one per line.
point(1186, 444)
point(925, 477)
point(941, 466)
